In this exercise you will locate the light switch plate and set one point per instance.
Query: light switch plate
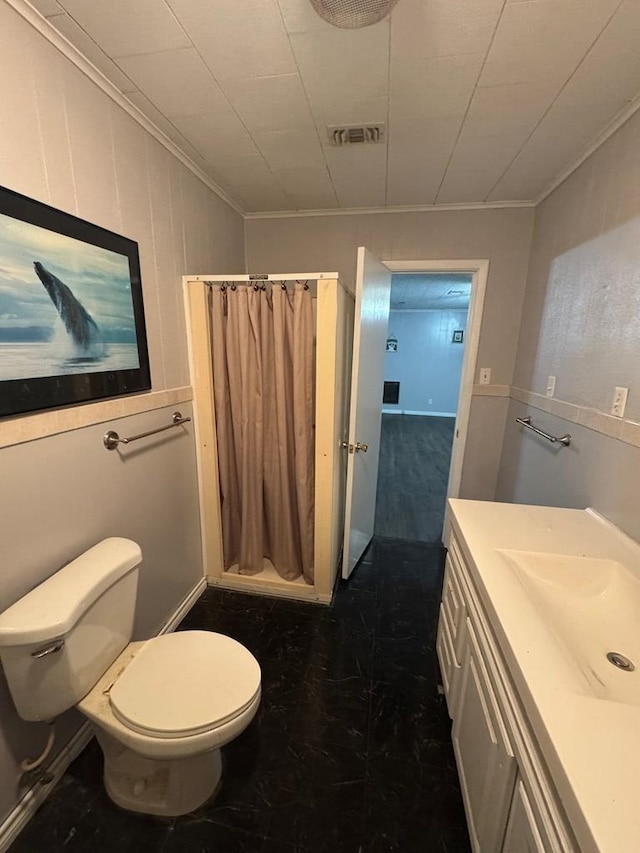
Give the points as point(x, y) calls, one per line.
point(551, 386)
point(619, 401)
point(485, 376)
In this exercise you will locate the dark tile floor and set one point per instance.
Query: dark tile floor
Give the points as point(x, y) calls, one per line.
point(415, 455)
point(350, 751)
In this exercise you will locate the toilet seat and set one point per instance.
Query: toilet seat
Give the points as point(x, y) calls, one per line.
point(184, 684)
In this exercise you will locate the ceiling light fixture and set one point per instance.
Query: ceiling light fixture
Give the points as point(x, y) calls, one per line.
point(353, 14)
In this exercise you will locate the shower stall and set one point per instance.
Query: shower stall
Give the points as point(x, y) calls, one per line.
point(270, 360)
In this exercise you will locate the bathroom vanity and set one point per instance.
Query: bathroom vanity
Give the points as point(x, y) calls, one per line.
point(546, 727)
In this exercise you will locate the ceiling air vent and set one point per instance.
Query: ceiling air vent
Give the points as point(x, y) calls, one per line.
point(356, 134)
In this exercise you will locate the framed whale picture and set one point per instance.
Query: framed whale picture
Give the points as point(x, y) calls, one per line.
point(72, 324)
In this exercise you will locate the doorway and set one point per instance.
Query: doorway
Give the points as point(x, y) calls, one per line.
point(423, 370)
point(370, 337)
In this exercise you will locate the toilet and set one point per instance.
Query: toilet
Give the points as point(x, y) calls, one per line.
point(161, 709)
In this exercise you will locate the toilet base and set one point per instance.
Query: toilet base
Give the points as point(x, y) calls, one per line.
point(156, 786)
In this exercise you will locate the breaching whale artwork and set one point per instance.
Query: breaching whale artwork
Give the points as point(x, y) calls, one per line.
point(71, 314)
point(80, 325)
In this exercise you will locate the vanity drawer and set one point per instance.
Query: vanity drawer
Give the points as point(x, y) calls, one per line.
point(449, 666)
point(453, 603)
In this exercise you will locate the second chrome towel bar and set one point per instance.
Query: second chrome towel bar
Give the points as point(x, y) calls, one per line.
point(111, 439)
point(563, 439)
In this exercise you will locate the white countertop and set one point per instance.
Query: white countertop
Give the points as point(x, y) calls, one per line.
point(591, 746)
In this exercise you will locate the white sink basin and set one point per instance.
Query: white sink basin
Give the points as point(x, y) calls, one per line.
point(592, 607)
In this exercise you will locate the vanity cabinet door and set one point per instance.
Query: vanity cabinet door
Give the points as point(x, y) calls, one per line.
point(523, 834)
point(451, 629)
point(485, 758)
point(452, 600)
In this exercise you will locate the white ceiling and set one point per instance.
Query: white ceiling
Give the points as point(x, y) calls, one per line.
point(484, 100)
point(420, 291)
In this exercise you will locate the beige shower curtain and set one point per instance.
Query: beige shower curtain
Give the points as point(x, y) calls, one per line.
point(262, 345)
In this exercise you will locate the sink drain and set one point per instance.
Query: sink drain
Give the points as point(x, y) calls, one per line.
point(621, 661)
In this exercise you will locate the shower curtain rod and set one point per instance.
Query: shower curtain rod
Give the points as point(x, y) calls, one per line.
point(232, 283)
point(253, 277)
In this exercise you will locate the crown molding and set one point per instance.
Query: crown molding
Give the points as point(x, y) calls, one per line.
point(614, 125)
point(416, 208)
point(48, 31)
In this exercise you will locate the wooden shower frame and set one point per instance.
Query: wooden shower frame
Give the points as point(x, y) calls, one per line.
point(334, 331)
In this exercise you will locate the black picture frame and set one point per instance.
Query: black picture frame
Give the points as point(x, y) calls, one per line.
point(72, 325)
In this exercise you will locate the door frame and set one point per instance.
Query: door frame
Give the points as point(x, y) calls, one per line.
point(478, 268)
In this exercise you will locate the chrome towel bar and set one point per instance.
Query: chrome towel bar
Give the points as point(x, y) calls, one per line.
point(111, 439)
point(563, 439)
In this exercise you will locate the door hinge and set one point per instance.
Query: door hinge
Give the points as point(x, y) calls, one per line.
point(354, 448)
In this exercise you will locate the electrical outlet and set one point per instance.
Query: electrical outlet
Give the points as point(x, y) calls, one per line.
point(551, 386)
point(619, 402)
point(430, 401)
point(485, 376)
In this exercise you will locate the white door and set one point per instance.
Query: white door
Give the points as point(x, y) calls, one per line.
point(373, 288)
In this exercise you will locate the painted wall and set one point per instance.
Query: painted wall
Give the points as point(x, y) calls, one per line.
point(503, 236)
point(427, 363)
point(65, 142)
point(580, 324)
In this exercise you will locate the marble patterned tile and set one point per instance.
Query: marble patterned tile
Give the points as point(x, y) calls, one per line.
point(245, 799)
point(206, 836)
point(407, 720)
point(319, 803)
point(403, 801)
point(106, 827)
point(333, 710)
point(54, 824)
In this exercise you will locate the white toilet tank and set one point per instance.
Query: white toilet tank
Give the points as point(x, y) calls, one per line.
point(58, 640)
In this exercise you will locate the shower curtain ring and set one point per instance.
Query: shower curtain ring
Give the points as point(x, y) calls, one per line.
point(233, 286)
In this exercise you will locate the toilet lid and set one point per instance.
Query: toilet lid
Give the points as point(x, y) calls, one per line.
point(185, 683)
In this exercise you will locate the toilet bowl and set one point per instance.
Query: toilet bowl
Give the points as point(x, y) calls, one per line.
point(161, 709)
point(161, 713)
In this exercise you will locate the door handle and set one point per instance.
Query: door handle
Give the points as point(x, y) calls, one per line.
point(362, 447)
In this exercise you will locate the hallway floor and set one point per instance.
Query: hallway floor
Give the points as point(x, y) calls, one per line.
point(415, 455)
point(350, 751)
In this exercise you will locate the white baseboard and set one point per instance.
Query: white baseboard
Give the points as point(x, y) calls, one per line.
point(24, 810)
point(424, 414)
point(184, 607)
